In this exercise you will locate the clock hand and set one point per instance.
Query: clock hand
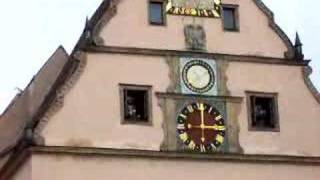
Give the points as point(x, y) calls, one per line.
point(214, 127)
point(201, 108)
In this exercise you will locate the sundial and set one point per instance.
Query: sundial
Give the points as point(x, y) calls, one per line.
point(196, 8)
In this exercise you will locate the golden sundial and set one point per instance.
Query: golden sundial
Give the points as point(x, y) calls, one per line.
point(198, 8)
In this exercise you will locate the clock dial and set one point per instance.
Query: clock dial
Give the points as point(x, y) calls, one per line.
point(201, 127)
point(198, 76)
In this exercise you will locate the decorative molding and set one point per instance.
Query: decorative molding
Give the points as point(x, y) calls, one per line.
point(307, 71)
point(290, 53)
point(167, 95)
point(57, 103)
point(102, 16)
point(196, 54)
point(218, 157)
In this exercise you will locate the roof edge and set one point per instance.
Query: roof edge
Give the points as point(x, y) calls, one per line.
point(277, 29)
point(307, 71)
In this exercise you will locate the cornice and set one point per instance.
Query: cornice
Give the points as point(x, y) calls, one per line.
point(199, 54)
point(101, 17)
point(290, 53)
point(224, 157)
point(170, 95)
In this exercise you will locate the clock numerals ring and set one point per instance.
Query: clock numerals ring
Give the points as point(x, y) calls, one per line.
point(201, 127)
point(198, 76)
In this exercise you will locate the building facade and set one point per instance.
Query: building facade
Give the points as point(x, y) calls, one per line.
point(176, 89)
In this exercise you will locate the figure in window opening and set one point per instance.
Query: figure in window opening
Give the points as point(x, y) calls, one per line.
point(262, 116)
point(131, 109)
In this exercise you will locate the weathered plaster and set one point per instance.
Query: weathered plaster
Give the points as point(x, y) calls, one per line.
point(174, 76)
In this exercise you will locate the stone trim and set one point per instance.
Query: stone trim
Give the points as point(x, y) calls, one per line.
point(290, 53)
point(101, 17)
point(57, 103)
point(307, 71)
point(169, 95)
point(197, 54)
point(217, 157)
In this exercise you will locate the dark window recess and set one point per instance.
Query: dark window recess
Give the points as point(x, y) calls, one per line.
point(136, 105)
point(229, 18)
point(156, 13)
point(263, 112)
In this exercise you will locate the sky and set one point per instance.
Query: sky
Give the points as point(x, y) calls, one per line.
point(31, 31)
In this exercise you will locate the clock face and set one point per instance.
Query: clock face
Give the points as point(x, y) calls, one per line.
point(198, 76)
point(201, 127)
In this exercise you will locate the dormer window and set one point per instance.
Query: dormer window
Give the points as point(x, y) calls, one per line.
point(156, 12)
point(230, 18)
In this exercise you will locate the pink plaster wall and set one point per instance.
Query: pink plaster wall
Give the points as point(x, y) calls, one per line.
point(52, 167)
point(130, 28)
point(91, 113)
point(90, 116)
point(298, 110)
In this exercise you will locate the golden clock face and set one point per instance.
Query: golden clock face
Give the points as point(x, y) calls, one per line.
point(198, 76)
point(201, 127)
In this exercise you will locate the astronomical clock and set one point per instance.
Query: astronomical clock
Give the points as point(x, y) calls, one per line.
point(198, 76)
point(200, 119)
point(199, 114)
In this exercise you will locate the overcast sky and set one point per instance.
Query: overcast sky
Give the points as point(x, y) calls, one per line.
point(31, 30)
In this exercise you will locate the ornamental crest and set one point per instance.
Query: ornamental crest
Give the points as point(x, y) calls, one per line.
point(195, 37)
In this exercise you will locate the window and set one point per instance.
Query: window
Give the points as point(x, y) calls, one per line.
point(262, 111)
point(230, 18)
point(135, 103)
point(156, 15)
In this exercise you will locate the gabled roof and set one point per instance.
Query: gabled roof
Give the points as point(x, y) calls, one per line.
point(71, 67)
point(26, 104)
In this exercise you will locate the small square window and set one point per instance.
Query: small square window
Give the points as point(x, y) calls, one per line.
point(135, 104)
point(230, 18)
point(156, 15)
point(262, 111)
